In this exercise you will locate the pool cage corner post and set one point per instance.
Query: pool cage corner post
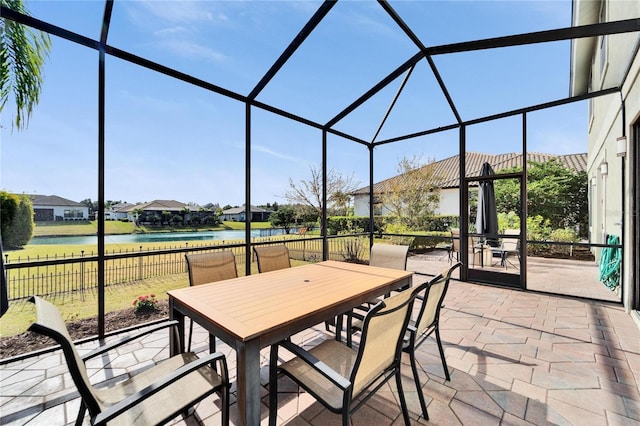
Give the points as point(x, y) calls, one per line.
point(371, 197)
point(323, 219)
point(247, 186)
point(463, 202)
point(106, 20)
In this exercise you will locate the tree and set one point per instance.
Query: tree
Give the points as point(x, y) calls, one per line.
point(285, 216)
point(137, 214)
point(340, 202)
point(413, 195)
point(17, 219)
point(93, 206)
point(166, 217)
point(554, 192)
point(23, 52)
point(22, 56)
point(184, 212)
point(308, 192)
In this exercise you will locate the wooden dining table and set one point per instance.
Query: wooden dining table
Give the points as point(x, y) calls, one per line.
point(252, 312)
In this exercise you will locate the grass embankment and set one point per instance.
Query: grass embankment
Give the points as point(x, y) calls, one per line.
point(49, 229)
point(113, 227)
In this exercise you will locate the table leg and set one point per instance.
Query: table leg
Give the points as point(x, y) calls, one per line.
point(176, 340)
point(248, 382)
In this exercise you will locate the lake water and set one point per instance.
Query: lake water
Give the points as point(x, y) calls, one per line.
point(159, 237)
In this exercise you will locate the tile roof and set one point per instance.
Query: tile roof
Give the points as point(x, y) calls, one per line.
point(159, 205)
point(445, 172)
point(239, 210)
point(52, 200)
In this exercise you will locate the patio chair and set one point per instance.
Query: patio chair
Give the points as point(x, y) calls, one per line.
point(455, 244)
point(476, 250)
point(207, 268)
point(342, 378)
point(427, 322)
point(508, 247)
point(272, 258)
point(153, 396)
point(385, 256)
point(389, 256)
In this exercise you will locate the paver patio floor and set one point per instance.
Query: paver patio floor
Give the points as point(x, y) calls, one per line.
point(515, 358)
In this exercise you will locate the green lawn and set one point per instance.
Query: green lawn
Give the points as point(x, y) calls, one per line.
point(44, 229)
point(80, 305)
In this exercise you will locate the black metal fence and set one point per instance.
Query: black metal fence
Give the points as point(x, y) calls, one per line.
point(46, 276)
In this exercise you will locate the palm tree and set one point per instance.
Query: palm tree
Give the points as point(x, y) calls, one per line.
point(184, 212)
point(137, 213)
point(23, 52)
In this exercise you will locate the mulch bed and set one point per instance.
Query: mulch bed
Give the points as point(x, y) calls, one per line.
point(29, 341)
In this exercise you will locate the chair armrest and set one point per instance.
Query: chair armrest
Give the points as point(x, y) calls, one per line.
point(322, 368)
point(122, 406)
point(127, 339)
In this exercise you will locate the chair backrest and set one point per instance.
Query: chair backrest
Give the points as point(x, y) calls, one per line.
point(209, 267)
point(381, 341)
point(389, 256)
point(272, 258)
point(434, 294)
point(50, 323)
point(455, 238)
point(511, 244)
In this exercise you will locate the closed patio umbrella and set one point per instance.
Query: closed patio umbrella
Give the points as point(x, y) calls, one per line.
point(487, 216)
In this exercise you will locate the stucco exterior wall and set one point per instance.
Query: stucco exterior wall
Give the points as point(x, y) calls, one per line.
point(610, 204)
point(58, 211)
point(449, 204)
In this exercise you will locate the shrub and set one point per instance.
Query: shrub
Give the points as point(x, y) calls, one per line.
point(566, 235)
point(508, 221)
point(431, 240)
point(353, 247)
point(145, 303)
point(442, 223)
point(16, 219)
point(337, 225)
point(538, 229)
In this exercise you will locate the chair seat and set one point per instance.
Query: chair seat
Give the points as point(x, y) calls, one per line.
point(338, 357)
point(182, 393)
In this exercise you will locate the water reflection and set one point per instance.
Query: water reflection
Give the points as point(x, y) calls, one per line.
point(147, 238)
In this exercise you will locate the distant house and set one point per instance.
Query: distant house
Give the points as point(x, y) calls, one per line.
point(118, 212)
point(49, 208)
point(446, 176)
point(239, 214)
point(155, 208)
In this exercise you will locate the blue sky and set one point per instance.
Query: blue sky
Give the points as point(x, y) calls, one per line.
point(168, 140)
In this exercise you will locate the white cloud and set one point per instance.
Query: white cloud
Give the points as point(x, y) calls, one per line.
point(192, 50)
point(150, 103)
point(181, 11)
point(275, 154)
point(170, 31)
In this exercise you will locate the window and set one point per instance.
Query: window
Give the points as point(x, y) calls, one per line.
point(73, 214)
